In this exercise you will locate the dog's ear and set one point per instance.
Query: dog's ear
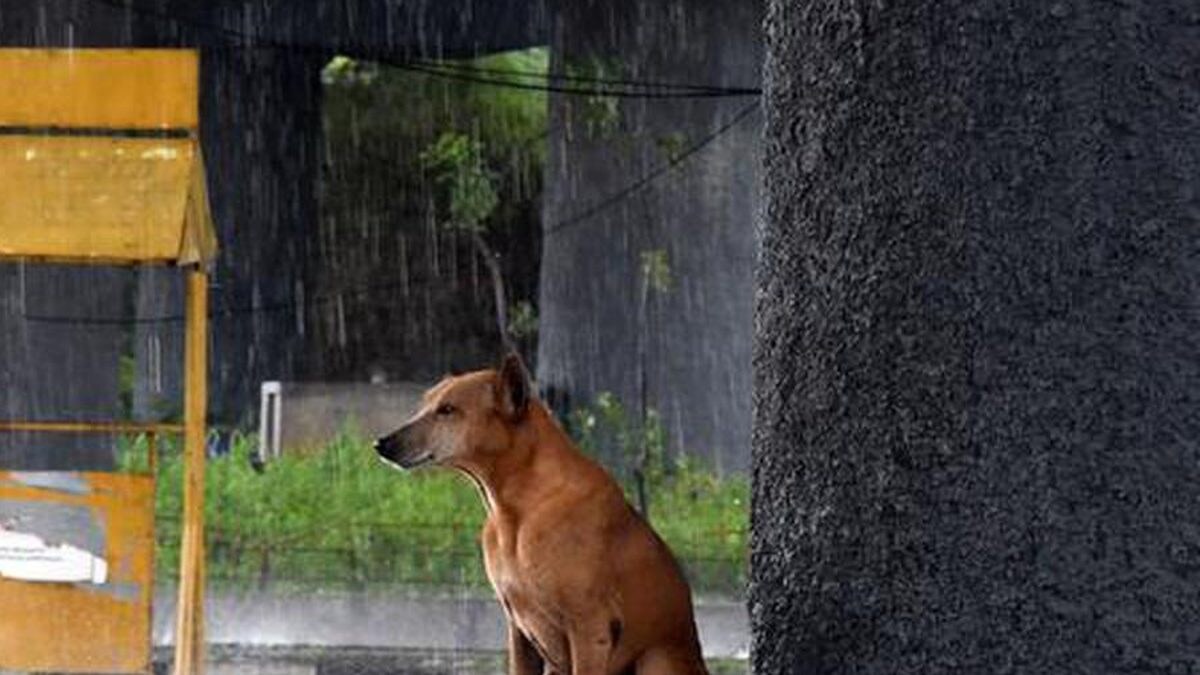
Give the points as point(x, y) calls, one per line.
point(515, 389)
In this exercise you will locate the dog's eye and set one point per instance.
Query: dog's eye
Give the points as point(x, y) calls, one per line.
point(445, 409)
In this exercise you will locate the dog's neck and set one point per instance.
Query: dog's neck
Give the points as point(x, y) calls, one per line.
point(537, 461)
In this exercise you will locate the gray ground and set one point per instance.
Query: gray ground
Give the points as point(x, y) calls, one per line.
point(388, 632)
point(238, 660)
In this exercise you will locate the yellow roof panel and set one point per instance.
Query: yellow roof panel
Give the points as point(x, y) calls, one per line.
point(99, 88)
point(104, 200)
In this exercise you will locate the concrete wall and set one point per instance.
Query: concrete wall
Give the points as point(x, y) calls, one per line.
point(696, 334)
point(315, 413)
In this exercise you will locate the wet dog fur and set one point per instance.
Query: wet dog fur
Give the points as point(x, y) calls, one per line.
point(588, 588)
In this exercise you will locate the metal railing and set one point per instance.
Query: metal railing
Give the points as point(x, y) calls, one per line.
point(151, 431)
point(443, 556)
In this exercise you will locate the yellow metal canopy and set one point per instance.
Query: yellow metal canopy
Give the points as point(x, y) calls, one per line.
point(100, 163)
point(99, 88)
point(99, 157)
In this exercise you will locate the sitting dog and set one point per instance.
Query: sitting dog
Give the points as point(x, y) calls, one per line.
point(587, 586)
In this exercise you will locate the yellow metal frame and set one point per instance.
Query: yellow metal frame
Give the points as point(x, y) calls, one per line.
point(117, 614)
point(151, 431)
point(107, 94)
point(189, 624)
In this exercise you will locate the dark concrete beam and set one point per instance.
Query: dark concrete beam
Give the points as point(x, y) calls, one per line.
point(395, 30)
point(389, 31)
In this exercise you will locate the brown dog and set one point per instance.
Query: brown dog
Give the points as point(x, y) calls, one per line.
point(588, 587)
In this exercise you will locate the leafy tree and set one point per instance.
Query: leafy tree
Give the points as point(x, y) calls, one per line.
point(379, 192)
point(468, 197)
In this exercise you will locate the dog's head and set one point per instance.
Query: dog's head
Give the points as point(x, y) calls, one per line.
point(462, 418)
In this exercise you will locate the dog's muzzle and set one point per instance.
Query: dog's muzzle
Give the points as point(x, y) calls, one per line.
point(393, 450)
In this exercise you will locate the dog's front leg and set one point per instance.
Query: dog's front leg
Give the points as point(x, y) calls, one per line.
point(523, 658)
point(591, 648)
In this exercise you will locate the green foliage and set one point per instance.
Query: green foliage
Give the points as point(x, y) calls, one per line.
point(126, 374)
point(133, 454)
point(341, 519)
point(335, 518)
point(345, 71)
point(377, 119)
point(369, 108)
point(705, 519)
point(601, 114)
point(727, 666)
point(671, 146)
point(601, 425)
point(656, 270)
point(703, 516)
point(510, 119)
point(522, 320)
point(456, 164)
point(605, 429)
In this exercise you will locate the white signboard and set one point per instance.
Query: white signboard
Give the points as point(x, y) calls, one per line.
point(28, 557)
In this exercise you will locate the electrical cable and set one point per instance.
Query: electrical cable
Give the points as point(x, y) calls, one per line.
point(474, 69)
point(645, 180)
point(460, 72)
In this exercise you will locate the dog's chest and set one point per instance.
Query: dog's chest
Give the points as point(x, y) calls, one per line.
point(538, 622)
point(530, 605)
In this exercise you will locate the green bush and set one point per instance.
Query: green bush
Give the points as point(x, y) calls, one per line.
point(703, 516)
point(339, 518)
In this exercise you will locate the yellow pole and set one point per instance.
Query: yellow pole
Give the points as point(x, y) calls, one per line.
point(189, 626)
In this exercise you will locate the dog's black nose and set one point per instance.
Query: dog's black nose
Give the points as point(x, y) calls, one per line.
point(387, 447)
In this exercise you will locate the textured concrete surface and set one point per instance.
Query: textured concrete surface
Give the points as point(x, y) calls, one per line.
point(977, 362)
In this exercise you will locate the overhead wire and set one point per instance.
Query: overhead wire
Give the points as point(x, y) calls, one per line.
point(582, 91)
point(451, 71)
point(650, 177)
point(474, 68)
